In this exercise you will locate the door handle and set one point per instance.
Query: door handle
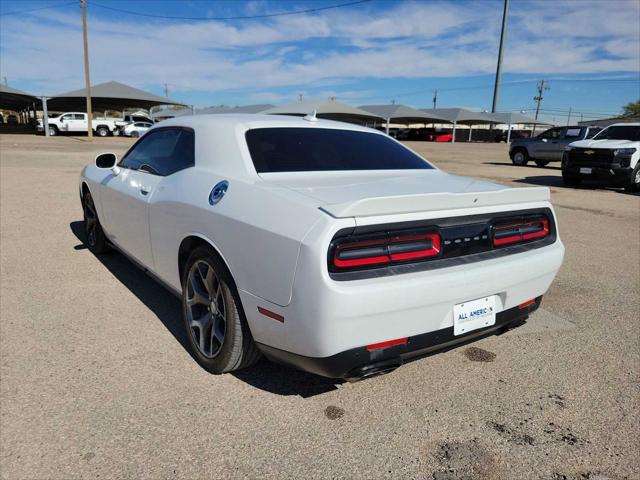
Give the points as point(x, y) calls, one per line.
point(144, 190)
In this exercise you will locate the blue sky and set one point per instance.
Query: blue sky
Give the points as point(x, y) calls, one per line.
point(372, 52)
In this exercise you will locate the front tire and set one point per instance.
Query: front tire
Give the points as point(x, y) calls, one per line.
point(570, 179)
point(53, 131)
point(95, 238)
point(134, 134)
point(520, 157)
point(634, 181)
point(215, 322)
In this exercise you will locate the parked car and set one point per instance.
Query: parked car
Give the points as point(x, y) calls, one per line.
point(136, 129)
point(612, 157)
point(548, 146)
point(326, 246)
point(129, 119)
point(76, 122)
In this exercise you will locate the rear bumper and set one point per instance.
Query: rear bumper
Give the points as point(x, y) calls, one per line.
point(358, 363)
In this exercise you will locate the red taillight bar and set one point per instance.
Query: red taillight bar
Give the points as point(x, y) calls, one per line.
point(521, 231)
point(396, 248)
point(388, 343)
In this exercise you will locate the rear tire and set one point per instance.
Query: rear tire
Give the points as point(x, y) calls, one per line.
point(542, 163)
point(95, 238)
point(634, 181)
point(215, 322)
point(520, 157)
point(102, 131)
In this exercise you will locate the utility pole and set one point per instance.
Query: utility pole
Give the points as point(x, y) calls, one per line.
point(83, 4)
point(569, 117)
point(538, 98)
point(435, 98)
point(299, 97)
point(496, 87)
point(166, 90)
point(6, 84)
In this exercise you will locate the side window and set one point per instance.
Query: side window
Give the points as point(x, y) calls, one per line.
point(162, 152)
point(67, 117)
point(573, 133)
point(551, 134)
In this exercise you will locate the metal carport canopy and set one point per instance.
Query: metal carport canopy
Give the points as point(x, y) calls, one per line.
point(14, 99)
point(107, 96)
point(329, 109)
point(403, 114)
point(510, 118)
point(462, 116)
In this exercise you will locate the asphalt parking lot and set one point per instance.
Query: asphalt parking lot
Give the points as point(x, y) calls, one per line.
point(96, 381)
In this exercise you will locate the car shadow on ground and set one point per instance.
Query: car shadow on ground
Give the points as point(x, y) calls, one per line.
point(265, 375)
point(554, 181)
point(509, 164)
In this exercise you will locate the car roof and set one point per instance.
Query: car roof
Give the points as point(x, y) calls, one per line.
point(220, 138)
point(628, 124)
point(250, 121)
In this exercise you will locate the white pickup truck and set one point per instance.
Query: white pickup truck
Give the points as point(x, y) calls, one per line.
point(77, 122)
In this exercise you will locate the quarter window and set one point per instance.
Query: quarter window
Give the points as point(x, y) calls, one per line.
point(162, 152)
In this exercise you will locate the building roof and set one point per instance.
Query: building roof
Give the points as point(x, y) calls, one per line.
point(605, 122)
point(14, 99)
point(108, 95)
point(403, 114)
point(329, 109)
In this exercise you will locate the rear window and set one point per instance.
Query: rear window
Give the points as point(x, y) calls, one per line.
point(323, 149)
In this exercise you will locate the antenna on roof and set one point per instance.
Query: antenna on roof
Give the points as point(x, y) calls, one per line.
point(311, 117)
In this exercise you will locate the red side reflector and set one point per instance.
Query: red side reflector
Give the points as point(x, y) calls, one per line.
point(270, 314)
point(527, 303)
point(389, 343)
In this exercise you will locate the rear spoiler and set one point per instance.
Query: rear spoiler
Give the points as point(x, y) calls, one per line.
point(435, 201)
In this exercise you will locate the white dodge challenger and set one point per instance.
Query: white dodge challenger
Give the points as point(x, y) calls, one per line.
point(322, 245)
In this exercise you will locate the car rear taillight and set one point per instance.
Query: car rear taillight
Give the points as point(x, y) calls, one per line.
point(524, 230)
point(391, 248)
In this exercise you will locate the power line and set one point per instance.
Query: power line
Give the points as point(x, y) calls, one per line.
point(14, 12)
point(239, 17)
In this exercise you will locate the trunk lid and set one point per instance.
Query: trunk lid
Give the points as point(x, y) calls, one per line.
point(369, 193)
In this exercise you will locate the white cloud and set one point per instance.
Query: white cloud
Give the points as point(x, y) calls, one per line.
point(409, 39)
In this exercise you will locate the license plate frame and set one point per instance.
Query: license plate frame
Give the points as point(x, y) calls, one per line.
point(586, 170)
point(474, 314)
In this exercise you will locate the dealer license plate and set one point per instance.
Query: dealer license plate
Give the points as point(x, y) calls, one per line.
point(585, 170)
point(474, 314)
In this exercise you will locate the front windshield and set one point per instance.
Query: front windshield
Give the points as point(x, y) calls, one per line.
point(620, 132)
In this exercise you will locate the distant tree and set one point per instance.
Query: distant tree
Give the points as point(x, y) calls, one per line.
point(631, 109)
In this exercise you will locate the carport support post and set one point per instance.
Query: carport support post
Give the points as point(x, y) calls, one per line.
point(509, 133)
point(45, 116)
point(470, 131)
point(387, 127)
point(453, 138)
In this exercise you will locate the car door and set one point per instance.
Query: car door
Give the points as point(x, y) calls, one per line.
point(66, 122)
point(126, 196)
point(548, 144)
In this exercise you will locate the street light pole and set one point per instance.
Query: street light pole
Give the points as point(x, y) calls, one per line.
point(496, 87)
point(83, 4)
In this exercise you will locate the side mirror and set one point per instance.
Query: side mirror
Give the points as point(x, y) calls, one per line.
point(106, 160)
